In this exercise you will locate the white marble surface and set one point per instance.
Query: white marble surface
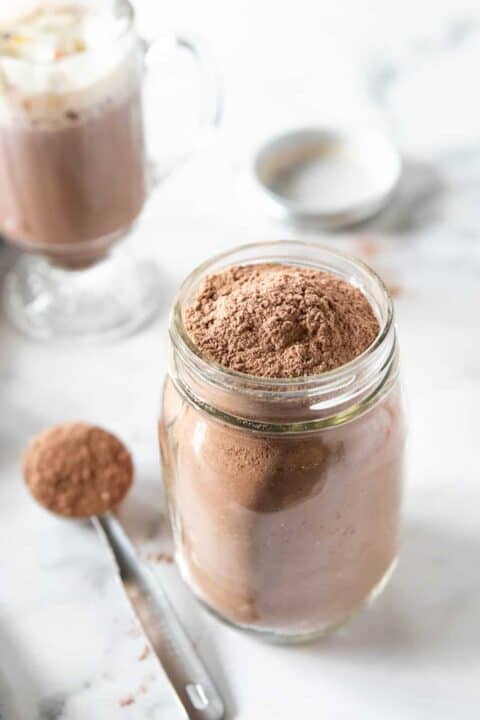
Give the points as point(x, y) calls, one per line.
point(68, 645)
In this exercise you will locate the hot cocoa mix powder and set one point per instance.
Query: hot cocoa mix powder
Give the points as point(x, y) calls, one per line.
point(282, 531)
point(280, 321)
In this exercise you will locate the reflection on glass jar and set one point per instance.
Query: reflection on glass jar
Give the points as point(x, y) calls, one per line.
point(285, 494)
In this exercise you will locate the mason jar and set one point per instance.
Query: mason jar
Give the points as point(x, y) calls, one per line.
point(284, 494)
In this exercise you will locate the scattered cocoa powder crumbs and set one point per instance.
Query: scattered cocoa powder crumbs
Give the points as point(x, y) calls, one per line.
point(367, 247)
point(279, 321)
point(77, 470)
point(159, 557)
point(127, 700)
point(144, 654)
point(395, 289)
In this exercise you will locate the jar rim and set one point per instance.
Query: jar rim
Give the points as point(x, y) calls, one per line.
point(226, 376)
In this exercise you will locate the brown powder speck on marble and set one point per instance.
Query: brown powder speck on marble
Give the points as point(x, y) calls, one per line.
point(127, 700)
point(279, 321)
point(395, 289)
point(78, 470)
point(367, 247)
point(144, 654)
point(159, 557)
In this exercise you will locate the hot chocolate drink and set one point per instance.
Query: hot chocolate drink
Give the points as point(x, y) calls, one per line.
point(71, 146)
point(285, 497)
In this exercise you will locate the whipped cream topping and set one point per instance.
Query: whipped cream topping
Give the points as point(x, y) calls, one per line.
point(49, 33)
point(81, 57)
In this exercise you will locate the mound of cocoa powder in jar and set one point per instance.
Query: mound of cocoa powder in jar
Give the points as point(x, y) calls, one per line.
point(279, 321)
point(78, 470)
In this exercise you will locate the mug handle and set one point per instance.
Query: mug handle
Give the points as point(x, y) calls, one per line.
point(211, 99)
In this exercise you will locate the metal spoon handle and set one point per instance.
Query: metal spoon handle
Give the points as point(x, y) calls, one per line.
point(186, 672)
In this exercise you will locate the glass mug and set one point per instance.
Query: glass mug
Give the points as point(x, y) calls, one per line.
point(73, 171)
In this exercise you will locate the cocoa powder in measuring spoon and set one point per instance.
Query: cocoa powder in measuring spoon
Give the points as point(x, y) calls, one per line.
point(78, 470)
point(280, 321)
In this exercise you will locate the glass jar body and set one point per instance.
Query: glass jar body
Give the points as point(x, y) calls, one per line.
point(288, 534)
point(285, 494)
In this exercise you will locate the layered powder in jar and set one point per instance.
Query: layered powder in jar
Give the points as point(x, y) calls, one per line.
point(287, 532)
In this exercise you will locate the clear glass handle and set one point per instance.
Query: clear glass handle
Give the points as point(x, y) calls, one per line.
point(211, 95)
